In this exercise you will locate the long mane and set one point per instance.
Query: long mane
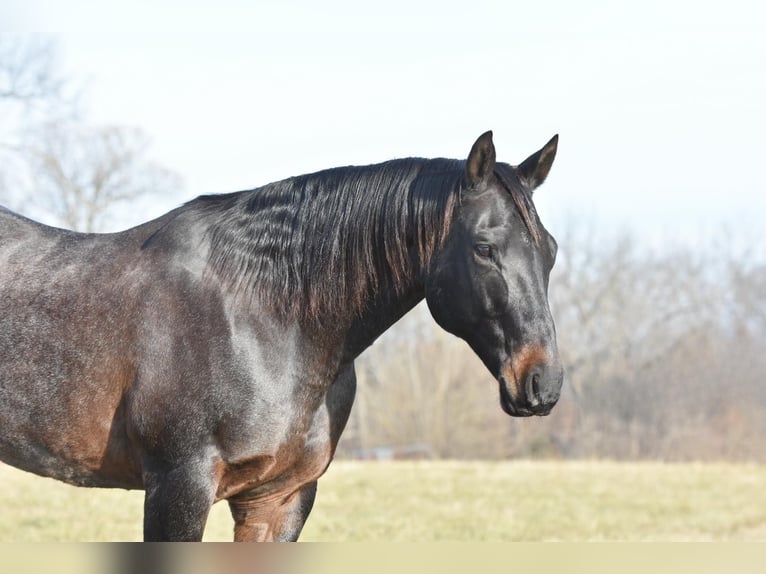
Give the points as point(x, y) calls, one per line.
point(521, 198)
point(319, 245)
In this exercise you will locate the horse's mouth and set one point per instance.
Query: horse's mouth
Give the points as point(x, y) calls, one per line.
point(511, 406)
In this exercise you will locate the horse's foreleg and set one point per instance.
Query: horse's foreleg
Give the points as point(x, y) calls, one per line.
point(177, 502)
point(294, 515)
point(262, 517)
point(259, 519)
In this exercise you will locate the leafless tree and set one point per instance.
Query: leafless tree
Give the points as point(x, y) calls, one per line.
point(420, 385)
point(32, 90)
point(82, 175)
point(54, 166)
point(28, 71)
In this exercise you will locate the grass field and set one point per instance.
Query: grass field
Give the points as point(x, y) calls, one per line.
point(437, 501)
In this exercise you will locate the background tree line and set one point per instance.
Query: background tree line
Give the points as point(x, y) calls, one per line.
point(664, 351)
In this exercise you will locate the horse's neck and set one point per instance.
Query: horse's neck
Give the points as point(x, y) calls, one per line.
point(379, 315)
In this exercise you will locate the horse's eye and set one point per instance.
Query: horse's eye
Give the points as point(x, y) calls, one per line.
point(484, 251)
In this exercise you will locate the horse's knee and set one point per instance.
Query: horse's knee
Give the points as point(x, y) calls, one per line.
point(272, 518)
point(253, 518)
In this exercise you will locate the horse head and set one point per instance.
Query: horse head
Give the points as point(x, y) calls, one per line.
point(489, 283)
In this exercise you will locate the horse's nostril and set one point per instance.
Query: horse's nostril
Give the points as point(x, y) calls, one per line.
point(533, 389)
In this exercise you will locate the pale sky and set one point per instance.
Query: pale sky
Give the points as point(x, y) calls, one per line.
point(659, 104)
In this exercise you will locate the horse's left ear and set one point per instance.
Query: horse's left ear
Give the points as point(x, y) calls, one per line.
point(535, 168)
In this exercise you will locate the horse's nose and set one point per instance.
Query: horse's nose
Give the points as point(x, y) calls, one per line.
point(530, 381)
point(542, 387)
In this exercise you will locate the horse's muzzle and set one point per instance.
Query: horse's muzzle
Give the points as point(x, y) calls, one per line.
point(535, 391)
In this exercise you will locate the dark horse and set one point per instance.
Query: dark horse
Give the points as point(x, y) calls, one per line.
point(209, 354)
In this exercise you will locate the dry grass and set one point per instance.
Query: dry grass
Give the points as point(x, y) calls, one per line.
point(436, 501)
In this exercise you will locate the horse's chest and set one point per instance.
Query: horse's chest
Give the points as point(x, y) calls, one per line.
point(286, 436)
point(282, 463)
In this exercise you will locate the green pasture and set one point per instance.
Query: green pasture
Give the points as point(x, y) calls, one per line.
point(436, 501)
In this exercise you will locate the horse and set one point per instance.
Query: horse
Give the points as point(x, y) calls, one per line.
point(208, 354)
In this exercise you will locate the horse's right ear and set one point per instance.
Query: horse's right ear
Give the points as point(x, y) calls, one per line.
point(481, 160)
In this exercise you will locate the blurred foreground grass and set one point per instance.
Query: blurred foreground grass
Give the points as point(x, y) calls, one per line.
point(435, 501)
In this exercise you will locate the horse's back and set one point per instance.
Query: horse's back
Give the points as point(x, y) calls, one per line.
point(23, 240)
point(15, 227)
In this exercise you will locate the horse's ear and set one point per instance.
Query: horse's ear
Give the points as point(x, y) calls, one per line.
point(535, 168)
point(481, 160)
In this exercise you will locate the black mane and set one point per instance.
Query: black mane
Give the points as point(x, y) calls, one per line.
point(521, 197)
point(319, 245)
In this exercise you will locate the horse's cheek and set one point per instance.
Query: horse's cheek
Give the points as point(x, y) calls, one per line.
point(494, 295)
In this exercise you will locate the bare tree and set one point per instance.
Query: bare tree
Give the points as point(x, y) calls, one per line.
point(31, 91)
point(50, 162)
point(80, 175)
point(28, 71)
point(421, 386)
